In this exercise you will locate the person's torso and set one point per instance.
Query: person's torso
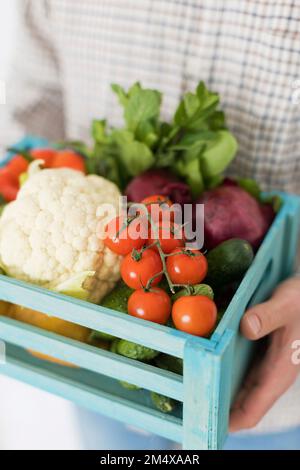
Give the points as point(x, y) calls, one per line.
point(247, 51)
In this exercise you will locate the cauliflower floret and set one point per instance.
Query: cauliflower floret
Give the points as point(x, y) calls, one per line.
point(53, 231)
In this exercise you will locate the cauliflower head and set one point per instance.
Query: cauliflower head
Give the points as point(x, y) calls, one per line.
point(53, 231)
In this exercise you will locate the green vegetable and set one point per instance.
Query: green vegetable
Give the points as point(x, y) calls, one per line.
point(135, 351)
point(141, 107)
point(129, 386)
point(214, 182)
point(117, 299)
point(221, 312)
point(113, 346)
point(136, 156)
point(198, 289)
point(218, 154)
point(251, 186)
point(195, 144)
point(277, 203)
point(162, 403)
point(101, 335)
point(275, 200)
point(229, 261)
point(171, 363)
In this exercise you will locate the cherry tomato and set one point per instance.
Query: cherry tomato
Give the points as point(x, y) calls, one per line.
point(122, 236)
point(159, 208)
point(154, 305)
point(9, 186)
point(189, 267)
point(44, 154)
point(195, 314)
point(16, 166)
point(139, 267)
point(170, 236)
point(9, 193)
point(68, 159)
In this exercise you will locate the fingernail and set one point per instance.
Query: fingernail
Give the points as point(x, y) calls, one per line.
point(254, 324)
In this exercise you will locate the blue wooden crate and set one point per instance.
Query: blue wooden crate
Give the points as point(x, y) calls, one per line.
point(213, 368)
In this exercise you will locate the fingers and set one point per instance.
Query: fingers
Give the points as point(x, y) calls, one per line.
point(262, 319)
point(269, 379)
point(264, 385)
point(280, 310)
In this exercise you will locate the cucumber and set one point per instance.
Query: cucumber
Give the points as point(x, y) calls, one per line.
point(115, 300)
point(129, 386)
point(100, 335)
point(228, 262)
point(221, 312)
point(118, 298)
point(171, 363)
point(113, 346)
point(135, 351)
point(162, 403)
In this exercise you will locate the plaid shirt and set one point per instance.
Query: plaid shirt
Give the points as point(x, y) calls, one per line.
point(69, 52)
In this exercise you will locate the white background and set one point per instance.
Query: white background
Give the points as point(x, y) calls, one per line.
point(29, 418)
point(7, 24)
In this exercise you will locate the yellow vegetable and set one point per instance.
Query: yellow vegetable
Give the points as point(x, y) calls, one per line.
point(4, 306)
point(56, 325)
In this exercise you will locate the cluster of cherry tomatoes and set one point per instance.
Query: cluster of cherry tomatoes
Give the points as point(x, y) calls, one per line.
point(11, 173)
point(160, 251)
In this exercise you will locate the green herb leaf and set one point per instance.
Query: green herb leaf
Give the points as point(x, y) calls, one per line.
point(251, 186)
point(143, 105)
point(194, 109)
point(191, 172)
point(121, 94)
point(135, 156)
point(219, 154)
point(195, 145)
point(99, 131)
point(275, 200)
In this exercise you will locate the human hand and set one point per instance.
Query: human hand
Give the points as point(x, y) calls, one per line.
point(279, 317)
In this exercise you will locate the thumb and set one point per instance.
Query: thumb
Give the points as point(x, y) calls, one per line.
point(262, 319)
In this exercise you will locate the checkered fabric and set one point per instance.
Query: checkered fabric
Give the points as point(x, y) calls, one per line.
point(69, 51)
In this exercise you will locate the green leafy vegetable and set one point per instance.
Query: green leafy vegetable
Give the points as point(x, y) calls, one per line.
point(194, 144)
point(218, 154)
point(136, 156)
point(275, 200)
point(251, 186)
